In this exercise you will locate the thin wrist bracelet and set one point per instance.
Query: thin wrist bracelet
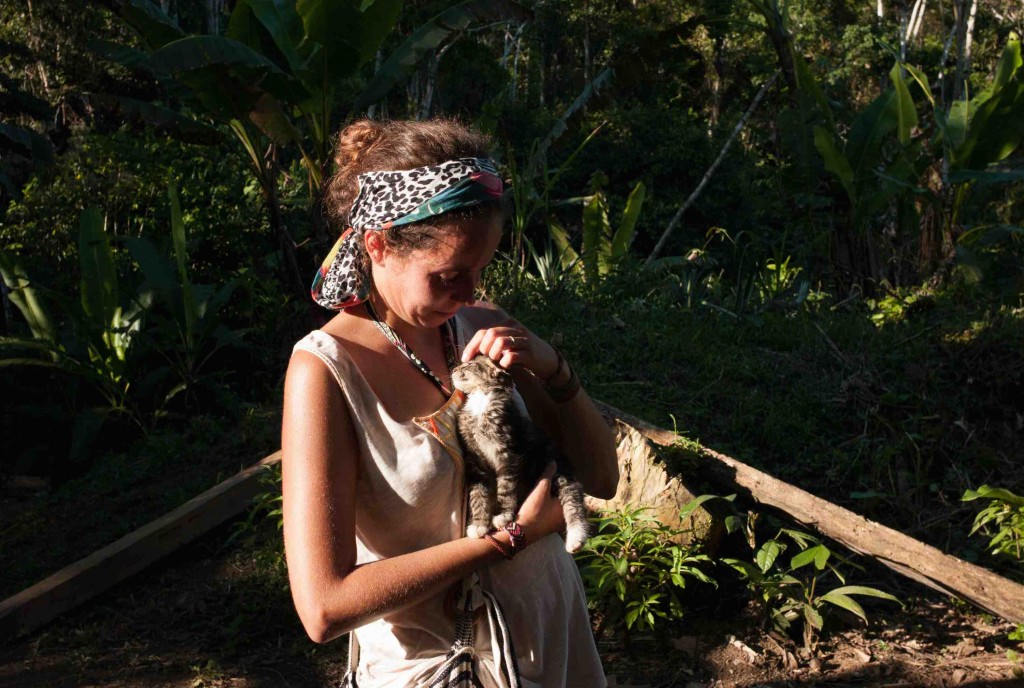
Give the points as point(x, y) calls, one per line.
point(558, 367)
point(566, 392)
point(497, 545)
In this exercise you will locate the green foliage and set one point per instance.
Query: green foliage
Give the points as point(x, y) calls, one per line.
point(195, 330)
point(1002, 521)
point(603, 246)
point(634, 570)
point(111, 335)
point(528, 200)
point(103, 325)
point(789, 591)
point(129, 172)
point(894, 307)
point(266, 507)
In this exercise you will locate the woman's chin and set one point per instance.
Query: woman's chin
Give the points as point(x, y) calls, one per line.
point(444, 316)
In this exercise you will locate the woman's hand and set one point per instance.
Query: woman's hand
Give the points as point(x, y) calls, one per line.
point(509, 343)
point(541, 513)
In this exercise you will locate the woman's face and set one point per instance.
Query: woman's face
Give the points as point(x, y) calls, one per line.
point(426, 287)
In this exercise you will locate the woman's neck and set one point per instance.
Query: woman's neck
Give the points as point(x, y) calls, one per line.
point(413, 336)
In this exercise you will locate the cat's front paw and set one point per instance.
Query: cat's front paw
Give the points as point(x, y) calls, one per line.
point(502, 519)
point(476, 531)
point(575, 537)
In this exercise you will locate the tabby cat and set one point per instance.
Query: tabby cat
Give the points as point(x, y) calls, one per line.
point(505, 454)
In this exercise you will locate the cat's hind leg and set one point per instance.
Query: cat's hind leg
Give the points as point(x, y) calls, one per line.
point(577, 527)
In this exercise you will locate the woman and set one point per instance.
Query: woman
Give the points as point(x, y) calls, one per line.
point(372, 475)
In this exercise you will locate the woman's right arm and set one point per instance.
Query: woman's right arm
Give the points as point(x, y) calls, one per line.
point(332, 594)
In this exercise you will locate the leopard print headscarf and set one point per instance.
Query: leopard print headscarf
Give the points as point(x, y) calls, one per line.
point(392, 198)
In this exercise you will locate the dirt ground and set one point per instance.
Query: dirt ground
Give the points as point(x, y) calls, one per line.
point(222, 616)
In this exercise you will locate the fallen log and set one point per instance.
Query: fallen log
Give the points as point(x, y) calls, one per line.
point(106, 567)
point(916, 560)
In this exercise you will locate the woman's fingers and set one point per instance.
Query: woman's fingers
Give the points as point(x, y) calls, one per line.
point(509, 344)
point(541, 512)
point(495, 341)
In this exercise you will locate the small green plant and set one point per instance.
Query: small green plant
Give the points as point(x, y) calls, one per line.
point(265, 505)
point(603, 245)
point(1017, 634)
point(790, 590)
point(1002, 521)
point(633, 569)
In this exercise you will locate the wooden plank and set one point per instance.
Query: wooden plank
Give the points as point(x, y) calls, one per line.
point(914, 559)
point(110, 565)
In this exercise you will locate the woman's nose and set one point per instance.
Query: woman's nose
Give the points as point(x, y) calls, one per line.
point(466, 292)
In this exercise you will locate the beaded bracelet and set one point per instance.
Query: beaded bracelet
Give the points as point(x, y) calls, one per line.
point(497, 545)
point(516, 537)
point(564, 393)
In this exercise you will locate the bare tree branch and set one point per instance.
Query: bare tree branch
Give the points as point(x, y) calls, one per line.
point(711, 170)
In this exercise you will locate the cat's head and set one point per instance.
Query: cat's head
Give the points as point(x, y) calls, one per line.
point(481, 374)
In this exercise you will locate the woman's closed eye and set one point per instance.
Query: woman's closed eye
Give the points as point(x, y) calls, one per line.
point(448, 278)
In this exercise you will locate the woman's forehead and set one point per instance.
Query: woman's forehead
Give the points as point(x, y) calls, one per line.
point(471, 242)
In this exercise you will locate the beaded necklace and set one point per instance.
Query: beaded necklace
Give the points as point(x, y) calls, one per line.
point(447, 337)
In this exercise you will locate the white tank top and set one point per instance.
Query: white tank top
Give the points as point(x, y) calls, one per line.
point(411, 496)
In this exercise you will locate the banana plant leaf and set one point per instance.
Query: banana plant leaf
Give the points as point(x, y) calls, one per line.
point(244, 27)
point(25, 299)
point(403, 61)
point(906, 114)
point(864, 146)
point(343, 35)
point(627, 227)
point(13, 100)
point(151, 23)
point(282, 21)
point(226, 76)
point(164, 119)
point(835, 161)
point(99, 274)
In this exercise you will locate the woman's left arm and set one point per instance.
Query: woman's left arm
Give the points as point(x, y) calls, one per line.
point(575, 425)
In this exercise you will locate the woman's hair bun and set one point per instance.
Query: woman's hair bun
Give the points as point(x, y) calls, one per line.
point(354, 141)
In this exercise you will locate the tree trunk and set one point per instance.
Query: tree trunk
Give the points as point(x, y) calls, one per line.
point(963, 62)
point(290, 273)
point(8, 312)
point(214, 12)
point(916, 19)
point(586, 48)
point(378, 60)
